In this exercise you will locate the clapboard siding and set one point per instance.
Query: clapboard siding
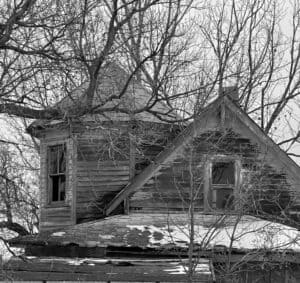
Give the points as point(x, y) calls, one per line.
point(60, 213)
point(106, 160)
point(169, 190)
point(104, 144)
point(266, 188)
point(56, 217)
point(101, 159)
point(97, 182)
point(102, 169)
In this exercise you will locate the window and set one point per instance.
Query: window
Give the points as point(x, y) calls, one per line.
point(57, 173)
point(222, 180)
point(222, 185)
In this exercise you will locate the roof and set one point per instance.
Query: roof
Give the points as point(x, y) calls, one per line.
point(104, 270)
point(239, 121)
point(112, 81)
point(169, 231)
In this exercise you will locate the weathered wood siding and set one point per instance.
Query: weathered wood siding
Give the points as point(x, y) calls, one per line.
point(54, 215)
point(102, 170)
point(169, 190)
point(100, 161)
point(98, 183)
point(108, 157)
point(263, 187)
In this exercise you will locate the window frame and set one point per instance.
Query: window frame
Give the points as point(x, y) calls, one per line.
point(58, 174)
point(209, 187)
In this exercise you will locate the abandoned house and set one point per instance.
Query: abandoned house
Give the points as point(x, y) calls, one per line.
point(137, 198)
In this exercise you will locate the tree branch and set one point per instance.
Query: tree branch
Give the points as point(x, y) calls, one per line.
point(15, 227)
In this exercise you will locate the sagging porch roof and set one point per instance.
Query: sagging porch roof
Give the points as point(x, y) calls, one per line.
point(171, 231)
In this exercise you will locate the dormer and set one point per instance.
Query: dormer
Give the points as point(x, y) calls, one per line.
point(85, 161)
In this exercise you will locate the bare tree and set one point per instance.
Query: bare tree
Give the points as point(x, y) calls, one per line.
point(255, 46)
point(183, 52)
point(19, 204)
point(175, 48)
point(51, 48)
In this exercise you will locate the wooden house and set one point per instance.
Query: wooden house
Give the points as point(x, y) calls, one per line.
point(150, 197)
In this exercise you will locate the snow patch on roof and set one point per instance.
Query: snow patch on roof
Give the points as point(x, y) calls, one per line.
point(58, 234)
point(106, 237)
point(244, 235)
point(74, 262)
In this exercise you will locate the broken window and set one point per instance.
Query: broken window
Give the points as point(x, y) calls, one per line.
point(57, 172)
point(222, 185)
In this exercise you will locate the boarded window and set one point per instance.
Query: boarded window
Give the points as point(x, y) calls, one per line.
point(222, 185)
point(57, 172)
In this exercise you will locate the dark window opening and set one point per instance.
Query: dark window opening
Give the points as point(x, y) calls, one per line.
point(223, 184)
point(57, 173)
point(223, 198)
point(223, 173)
